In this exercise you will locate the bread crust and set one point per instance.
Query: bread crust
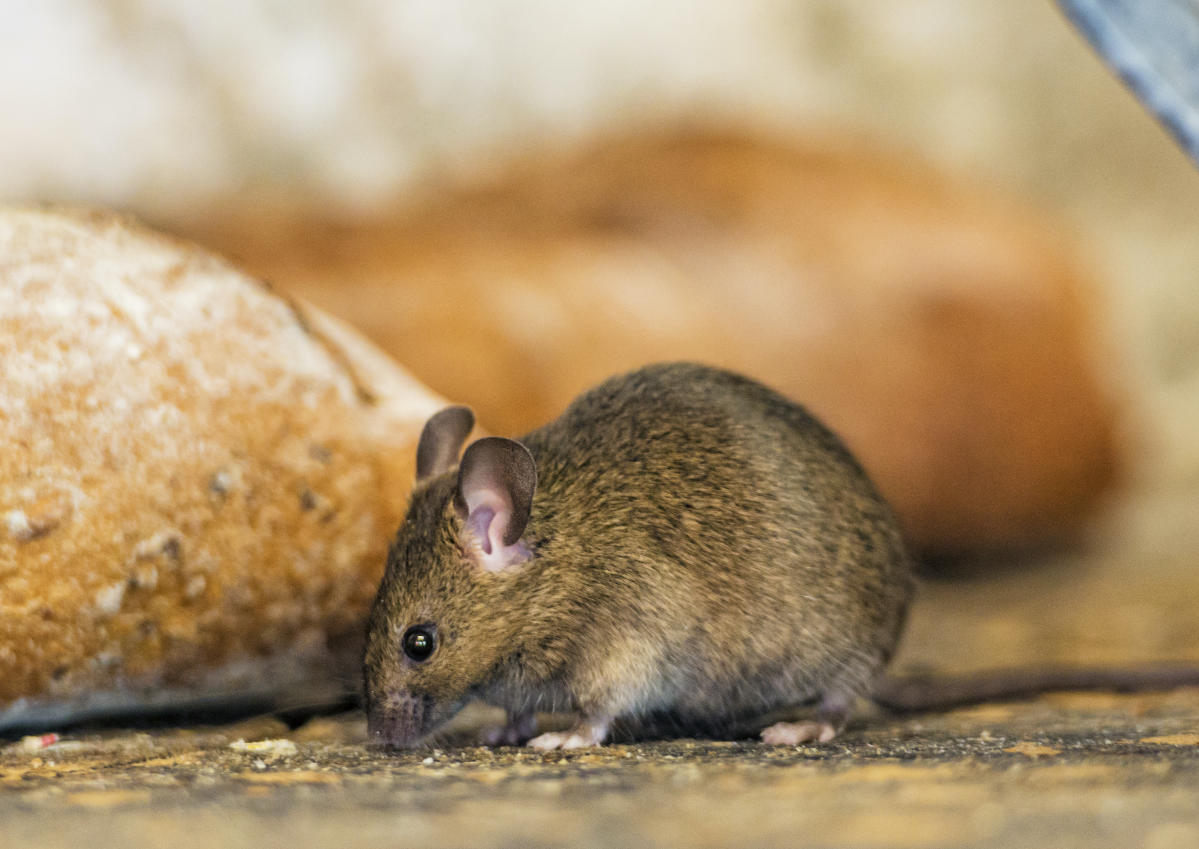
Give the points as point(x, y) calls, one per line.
point(198, 477)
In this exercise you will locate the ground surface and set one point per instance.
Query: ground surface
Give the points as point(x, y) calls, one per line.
point(1065, 770)
point(1093, 771)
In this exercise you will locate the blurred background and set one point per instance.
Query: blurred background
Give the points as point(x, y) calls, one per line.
point(945, 226)
point(247, 124)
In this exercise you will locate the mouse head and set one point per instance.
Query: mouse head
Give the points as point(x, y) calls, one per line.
point(442, 623)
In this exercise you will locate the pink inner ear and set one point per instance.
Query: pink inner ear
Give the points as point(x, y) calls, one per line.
point(485, 524)
point(479, 523)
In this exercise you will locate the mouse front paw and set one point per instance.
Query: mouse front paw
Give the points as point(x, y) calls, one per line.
point(587, 732)
point(795, 733)
point(516, 732)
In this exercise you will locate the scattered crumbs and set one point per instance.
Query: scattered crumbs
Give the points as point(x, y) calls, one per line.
point(276, 748)
point(1189, 739)
point(1033, 750)
point(37, 742)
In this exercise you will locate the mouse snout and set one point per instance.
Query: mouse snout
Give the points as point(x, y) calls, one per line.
point(397, 720)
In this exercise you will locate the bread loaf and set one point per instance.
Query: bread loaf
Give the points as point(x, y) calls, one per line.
point(198, 477)
point(947, 335)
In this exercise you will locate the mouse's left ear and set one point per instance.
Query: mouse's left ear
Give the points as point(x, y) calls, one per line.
point(496, 481)
point(441, 440)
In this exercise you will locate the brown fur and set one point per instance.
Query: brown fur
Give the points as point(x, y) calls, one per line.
point(702, 548)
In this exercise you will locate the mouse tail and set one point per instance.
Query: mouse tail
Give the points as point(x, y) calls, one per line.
point(929, 693)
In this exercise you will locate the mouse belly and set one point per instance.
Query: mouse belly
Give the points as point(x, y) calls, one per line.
point(704, 703)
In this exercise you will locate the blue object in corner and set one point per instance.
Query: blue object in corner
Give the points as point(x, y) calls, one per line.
point(1154, 46)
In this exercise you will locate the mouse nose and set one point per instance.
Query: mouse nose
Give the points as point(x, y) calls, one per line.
point(396, 721)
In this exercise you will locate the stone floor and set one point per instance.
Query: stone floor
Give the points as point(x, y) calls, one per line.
point(1064, 770)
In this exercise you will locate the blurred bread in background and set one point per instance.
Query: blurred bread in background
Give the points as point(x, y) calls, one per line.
point(342, 111)
point(947, 335)
point(198, 478)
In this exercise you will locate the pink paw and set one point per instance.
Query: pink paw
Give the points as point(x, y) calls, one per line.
point(794, 733)
point(563, 740)
point(586, 733)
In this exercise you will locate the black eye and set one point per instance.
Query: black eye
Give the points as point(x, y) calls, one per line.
point(419, 642)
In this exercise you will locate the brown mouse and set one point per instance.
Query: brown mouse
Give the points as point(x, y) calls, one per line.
point(681, 542)
point(684, 544)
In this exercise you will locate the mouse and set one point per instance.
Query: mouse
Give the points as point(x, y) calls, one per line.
point(682, 540)
point(682, 545)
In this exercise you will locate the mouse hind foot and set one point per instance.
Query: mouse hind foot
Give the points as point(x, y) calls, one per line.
point(831, 717)
point(796, 733)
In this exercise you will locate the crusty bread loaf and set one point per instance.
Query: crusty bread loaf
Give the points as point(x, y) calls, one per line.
point(948, 336)
point(198, 477)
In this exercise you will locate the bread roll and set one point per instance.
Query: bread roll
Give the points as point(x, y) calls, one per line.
point(198, 477)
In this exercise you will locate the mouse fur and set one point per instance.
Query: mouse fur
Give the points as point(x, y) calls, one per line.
point(681, 541)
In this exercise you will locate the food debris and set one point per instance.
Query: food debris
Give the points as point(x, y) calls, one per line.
point(1174, 740)
point(1033, 750)
point(276, 748)
point(37, 742)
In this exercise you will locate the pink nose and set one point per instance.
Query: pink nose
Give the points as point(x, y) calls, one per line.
point(395, 721)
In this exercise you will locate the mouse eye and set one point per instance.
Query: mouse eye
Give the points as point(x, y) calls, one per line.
point(420, 641)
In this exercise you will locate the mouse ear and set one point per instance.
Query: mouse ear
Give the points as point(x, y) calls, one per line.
point(496, 481)
point(441, 440)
